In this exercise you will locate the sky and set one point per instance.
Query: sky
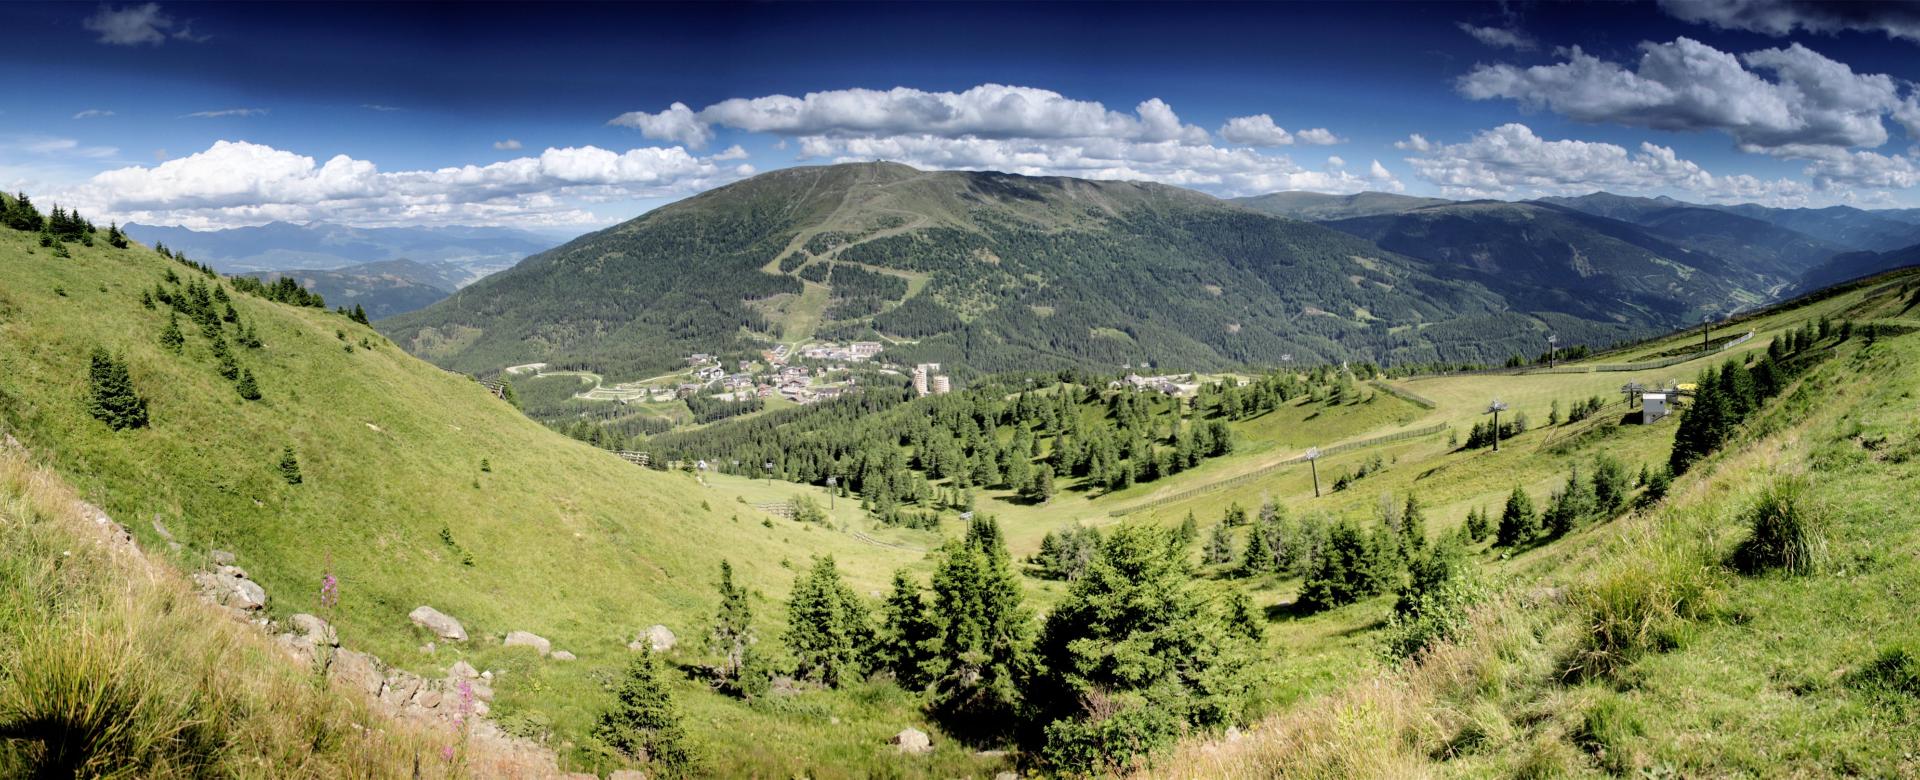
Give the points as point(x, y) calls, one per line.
point(566, 117)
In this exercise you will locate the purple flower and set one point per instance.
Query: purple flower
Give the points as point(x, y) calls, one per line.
point(329, 587)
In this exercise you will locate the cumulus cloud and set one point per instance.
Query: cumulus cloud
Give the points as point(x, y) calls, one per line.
point(507, 145)
point(1811, 101)
point(1782, 17)
point(1220, 170)
point(225, 112)
point(677, 124)
point(1260, 130)
point(235, 183)
point(93, 113)
point(1511, 161)
point(1500, 37)
point(137, 24)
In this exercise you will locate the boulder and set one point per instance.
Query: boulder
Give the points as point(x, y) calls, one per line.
point(529, 639)
point(314, 630)
point(441, 625)
point(461, 670)
point(561, 655)
point(219, 557)
point(359, 670)
point(913, 742)
point(657, 637)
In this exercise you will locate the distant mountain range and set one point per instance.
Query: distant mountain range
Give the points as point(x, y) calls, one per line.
point(284, 246)
point(383, 288)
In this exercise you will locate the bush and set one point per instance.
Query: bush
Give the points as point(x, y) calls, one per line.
point(1783, 535)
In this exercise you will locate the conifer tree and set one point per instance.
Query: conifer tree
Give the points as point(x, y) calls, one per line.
point(1413, 527)
point(246, 386)
point(1345, 571)
point(1219, 547)
point(1518, 523)
point(908, 637)
point(171, 338)
point(827, 626)
point(1611, 485)
point(359, 314)
point(983, 628)
point(1571, 506)
point(644, 723)
point(112, 397)
point(289, 467)
point(1259, 556)
point(732, 636)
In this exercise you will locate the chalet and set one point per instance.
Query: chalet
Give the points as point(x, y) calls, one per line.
point(701, 359)
point(710, 373)
point(739, 380)
point(687, 390)
point(861, 350)
point(794, 374)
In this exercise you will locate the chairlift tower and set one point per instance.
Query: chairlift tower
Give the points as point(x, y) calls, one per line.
point(1552, 342)
point(1313, 462)
point(1495, 408)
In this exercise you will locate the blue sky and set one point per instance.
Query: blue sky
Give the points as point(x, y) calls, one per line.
point(564, 116)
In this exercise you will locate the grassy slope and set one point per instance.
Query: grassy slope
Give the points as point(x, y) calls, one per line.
point(567, 541)
point(1763, 679)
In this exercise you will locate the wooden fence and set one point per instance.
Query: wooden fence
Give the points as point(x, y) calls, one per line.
point(1241, 479)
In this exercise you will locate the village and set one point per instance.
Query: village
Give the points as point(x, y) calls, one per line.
point(817, 371)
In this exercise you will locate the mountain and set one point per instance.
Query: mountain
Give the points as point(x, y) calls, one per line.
point(1853, 265)
point(1558, 259)
point(1843, 227)
point(1752, 243)
point(1320, 207)
point(284, 246)
point(383, 288)
point(990, 271)
point(1626, 208)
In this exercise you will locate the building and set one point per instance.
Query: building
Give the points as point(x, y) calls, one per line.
point(942, 385)
point(861, 350)
point(1653, 406)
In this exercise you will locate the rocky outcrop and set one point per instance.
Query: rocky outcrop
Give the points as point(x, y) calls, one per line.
point(561, 655)
point(529, 639)
point(229, 586)
point(440, 624)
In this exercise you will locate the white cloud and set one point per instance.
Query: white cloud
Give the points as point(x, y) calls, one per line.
point(734, 152)
point(56, 147)
point(235, 183)
point(1811, 101)
point(130, 26)
point(378, 107)
point(1782, 17)
point(1500, 37)
point(1215, 169)
point(93, 113)
point(1511, 161)
point(1869, 170)
point(1259, 130)
point(225, 112)
point(677, 124)
point(507, 145)
point(1414, 143)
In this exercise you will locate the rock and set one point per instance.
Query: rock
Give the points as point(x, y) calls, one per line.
point(427, 698)
point(658, 637)
point(359, 670)
point(913, 741)
point(441, 625)
point(627, 774)
point(248, 595)
point(486, 675)
point(401, 688)
point(220, 557)
point(1233, 734)
point(561, 655)
point(161, 529)
point(1007, 776)
point(481, 690)
point(462, 670)
point(314, 630)
point(528, 639)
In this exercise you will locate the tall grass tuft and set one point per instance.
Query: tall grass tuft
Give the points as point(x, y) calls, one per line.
point(1784, 535)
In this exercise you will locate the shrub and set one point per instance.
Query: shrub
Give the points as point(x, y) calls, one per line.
point(1783, 535)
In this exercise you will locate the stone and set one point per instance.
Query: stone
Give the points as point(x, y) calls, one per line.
point(314, 630)
point(220, 557)
point(913, 742)
point(1233, 734)
point(161, 529)
point(427, 698)
point(401, 688)
point(462, 670)
point(358, 670)
point(441, 625)
point(561, 655)
point(658, 637)
point(627, 774)
point(1007, 776)
point(481, 690)
point(528, 639)
point(248, 595)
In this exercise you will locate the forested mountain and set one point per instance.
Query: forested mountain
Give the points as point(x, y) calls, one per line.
point(283, 246)
point(986, 270)
point(1320, 207)
point(1845, 227)
point(383, 288)
point(1853, 265)
point(1561, 260)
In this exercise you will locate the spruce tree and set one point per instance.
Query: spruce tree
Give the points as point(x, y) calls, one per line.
point(1611, 485)
point(643, 723)
point(112, 398)
point(246, 386)
point(171, 338)
point(732, 637)
point(983, 628)
point(1219, 547)
point(1259, 555)
point(827, 626)
point(289, 467)
point(1413, 527)
point(908, 636)
point(1518, 523)
point(359, 315)
point(1345, 571)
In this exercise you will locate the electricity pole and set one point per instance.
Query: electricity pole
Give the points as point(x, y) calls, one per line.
point(1706, 327)
point(1495, 409)
point(1313, 462)
point(1551, 341)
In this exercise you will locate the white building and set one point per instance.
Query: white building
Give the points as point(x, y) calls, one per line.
point(1653, 406)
